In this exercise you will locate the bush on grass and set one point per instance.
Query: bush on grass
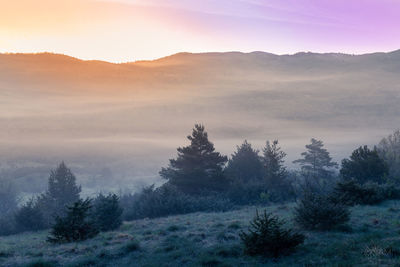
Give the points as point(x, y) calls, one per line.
point(319, 212)
point(268, 237)
point(75, 226)
point(351, 193)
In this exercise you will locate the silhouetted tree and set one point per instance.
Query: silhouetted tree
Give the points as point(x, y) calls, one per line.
point(268, 237)
point(364, 165)
point(198, 167)
point(245, 164)
point(75, 225)
point(316, 162)
point(273, 158)
point(62, 191)
point(276, 175)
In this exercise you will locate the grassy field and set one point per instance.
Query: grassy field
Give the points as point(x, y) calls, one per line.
point(211, 239)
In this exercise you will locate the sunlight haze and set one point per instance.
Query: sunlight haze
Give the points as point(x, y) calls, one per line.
point(129, 30)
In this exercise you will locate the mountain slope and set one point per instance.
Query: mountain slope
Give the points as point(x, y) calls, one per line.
point(131, 116)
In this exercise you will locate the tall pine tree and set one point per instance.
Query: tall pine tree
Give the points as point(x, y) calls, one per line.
point(316, 162)
point(62, 191)
point(276, 175)
point(273, 158)
point(198, 167)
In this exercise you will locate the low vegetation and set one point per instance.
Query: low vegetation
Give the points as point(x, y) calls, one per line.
point(318, 212)
point(76, 225)
point(107, 212)
point(351, 193)
point(268, 237)
point(200, 239)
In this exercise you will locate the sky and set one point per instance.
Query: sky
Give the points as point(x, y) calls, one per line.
point(129, 30)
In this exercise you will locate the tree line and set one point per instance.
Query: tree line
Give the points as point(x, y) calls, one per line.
point(202, 179)
point(61, 208)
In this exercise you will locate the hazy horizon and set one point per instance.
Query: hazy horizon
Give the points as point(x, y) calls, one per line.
point(143, 60)
point(130, 118)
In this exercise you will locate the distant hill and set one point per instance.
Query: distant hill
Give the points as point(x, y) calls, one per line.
point(131, 116)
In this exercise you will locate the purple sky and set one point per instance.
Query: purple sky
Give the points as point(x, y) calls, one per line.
point(123, 30)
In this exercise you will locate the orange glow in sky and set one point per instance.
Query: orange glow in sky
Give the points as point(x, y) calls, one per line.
point(128, 30)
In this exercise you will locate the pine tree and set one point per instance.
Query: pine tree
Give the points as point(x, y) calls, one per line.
point(245, 164)
point(198, 167)
point(316, 162)
point(364, 165)
point(275, 172)
point(319, 212)
point(62, 191)
point(273, 158)
point(107, 212)
point(268, 237)
point(75, 225)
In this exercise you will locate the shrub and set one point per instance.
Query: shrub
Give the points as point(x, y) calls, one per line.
point(267, 237)
point(29, 217)
point(364, 165)
point(75, 226)
point(319, 212)
point(107, 212)
point(167, 200)
point(351, 193)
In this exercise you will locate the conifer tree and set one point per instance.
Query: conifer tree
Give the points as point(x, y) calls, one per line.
point(62, 191)
point(276, 174)
point(75, 225)
point(107, 212)
point(198, 166)
point(316, 162)
point(273, 158)
point(364, 165)
point(245, 164)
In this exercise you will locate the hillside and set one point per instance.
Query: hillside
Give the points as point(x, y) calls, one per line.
point(211, 239)
point(130, 117)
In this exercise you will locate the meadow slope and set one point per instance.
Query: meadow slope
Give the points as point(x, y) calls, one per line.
point(211, 239)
